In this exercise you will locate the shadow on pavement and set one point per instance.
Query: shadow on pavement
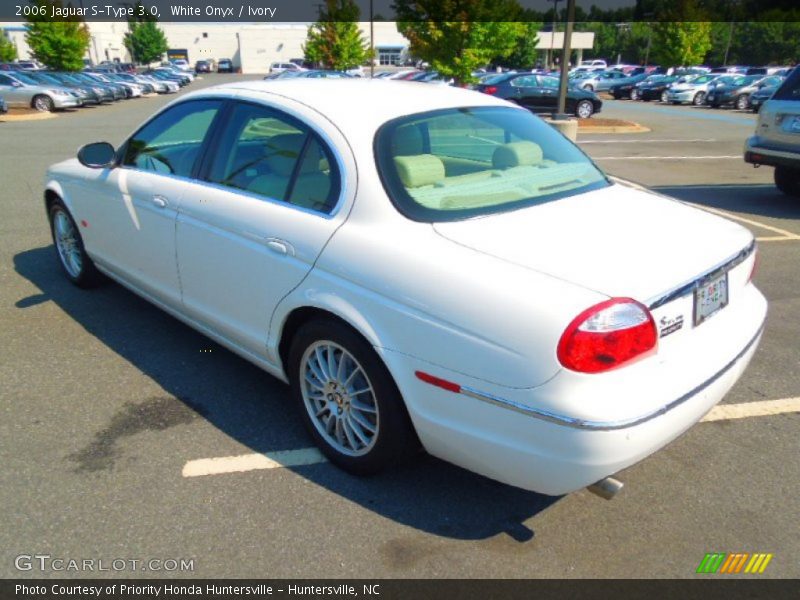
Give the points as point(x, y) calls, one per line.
point(761, 199)
point(205, 381)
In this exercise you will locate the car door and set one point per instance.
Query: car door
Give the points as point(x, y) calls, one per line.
point(14, 92)
point(548, 89)
point(130, 211)
point(256, 228)
point(527, 92)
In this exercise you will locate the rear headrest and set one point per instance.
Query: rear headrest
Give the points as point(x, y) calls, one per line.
point(517, 154)
point(407, 140)
point(281, 152)
point(416, 171)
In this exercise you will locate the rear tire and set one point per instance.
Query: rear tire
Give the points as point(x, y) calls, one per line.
point(43, 103)
point(584, 109)
point(788, 181)
point(72, 257)
point(348, 399)
point(664, 97)
point(635, 95)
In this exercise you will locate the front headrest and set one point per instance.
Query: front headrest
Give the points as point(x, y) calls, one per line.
point(281, 152)
point(407, 140)
point(416, 171)
point(517, 154)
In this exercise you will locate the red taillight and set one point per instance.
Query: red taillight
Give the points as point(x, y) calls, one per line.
point(607, 336)
point(490, 89)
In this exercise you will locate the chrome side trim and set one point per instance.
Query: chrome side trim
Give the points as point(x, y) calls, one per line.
point(576, 423)
point(689, 287)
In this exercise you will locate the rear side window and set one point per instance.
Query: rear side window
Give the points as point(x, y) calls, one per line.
point(790, 90)
point(268, 153)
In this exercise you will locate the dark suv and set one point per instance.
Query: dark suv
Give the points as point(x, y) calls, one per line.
point(776, 142)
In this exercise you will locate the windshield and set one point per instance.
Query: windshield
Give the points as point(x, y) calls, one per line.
point(458, 163)
point(25, 78)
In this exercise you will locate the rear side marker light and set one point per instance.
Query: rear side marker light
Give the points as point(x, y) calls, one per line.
point(438, 382)
point(607, 336)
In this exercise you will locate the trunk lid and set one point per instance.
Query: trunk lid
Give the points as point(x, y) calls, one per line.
point(618, 241)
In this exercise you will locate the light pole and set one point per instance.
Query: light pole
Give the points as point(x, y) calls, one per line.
point(371, 42)
point(553, 31)
point(562, 84)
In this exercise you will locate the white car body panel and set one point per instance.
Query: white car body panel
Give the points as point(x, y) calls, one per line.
point(481, 302)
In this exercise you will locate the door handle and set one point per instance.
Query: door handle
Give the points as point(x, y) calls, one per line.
point(278, 246)
point(160, 201)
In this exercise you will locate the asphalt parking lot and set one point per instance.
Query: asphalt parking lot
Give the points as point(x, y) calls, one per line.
point(109, 407)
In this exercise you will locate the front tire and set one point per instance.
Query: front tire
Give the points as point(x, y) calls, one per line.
point(348, 399)
point(699, 98)
point(584, 109)
point(743, 102)
point(664, 97)
point(788, 181)
point(43, 103)
point(72, 257)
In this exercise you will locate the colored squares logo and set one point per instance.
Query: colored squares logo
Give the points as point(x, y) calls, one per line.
point(734, 563)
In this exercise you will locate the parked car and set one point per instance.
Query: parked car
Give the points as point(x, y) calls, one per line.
point(576, 355)
point(85, 94)
point(763, 94)
point(539, 93)
point(745, 94)
point(309, 74)
point(225, 65)
point(727, 89)
point(691, 91)
point(20, 91)
point(279, 67)
point(776, 142)
point(655, 87)
point(115, 91)
point(626, 88)
point(202, 66)
point(598, 82)
point(119, 90)
point(181, 64)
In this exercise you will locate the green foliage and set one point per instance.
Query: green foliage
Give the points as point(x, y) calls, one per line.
point(524, 54)
point(8, 51)
point(765, 43)
point(59, 44)
point(458, 36)
point(335, 41)
point(146, 42)
point(681, 43)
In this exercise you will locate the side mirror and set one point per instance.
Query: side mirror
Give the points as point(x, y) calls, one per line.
point(99, 155)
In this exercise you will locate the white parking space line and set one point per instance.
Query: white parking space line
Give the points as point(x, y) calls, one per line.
point(724, 412)
point(252, 462)
point(618, 141)
point(312, 456)
point(709, 157)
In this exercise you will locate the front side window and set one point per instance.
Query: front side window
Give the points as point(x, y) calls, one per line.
point(268, 153)
point(463, 162)
point(790, 89)
point(170, 143)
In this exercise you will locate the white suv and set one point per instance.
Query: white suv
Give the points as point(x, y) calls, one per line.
point(776, 142)
point(280, 67)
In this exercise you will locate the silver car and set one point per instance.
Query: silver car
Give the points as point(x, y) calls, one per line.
point(20, 91)
point(598, 82)
point(776, 142)
point(693, 90)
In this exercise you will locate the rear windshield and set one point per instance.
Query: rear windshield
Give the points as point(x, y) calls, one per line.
point(459, 163)
point(790, 90)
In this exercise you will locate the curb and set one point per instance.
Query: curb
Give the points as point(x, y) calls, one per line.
point(15, 116)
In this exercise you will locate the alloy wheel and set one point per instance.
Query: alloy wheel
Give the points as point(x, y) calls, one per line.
point(67, 244)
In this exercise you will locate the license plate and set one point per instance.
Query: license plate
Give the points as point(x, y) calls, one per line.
point(710, 297)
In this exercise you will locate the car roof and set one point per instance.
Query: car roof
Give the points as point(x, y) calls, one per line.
point(356, 102)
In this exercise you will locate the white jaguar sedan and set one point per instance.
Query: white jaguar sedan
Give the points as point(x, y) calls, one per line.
point(424, 265)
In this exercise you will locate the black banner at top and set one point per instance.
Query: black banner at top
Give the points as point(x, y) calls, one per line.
point(283, 11)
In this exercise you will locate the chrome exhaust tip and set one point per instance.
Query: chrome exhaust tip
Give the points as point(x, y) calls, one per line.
point(606, 488)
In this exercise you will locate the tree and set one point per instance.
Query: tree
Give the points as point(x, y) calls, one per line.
point(335, 41)
point(8, 51)
point(60, 44)
point(458, 36)
point(144, 40)
point(681, 43)
point(524, 54)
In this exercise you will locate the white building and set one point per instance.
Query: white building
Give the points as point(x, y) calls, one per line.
point(253, 46)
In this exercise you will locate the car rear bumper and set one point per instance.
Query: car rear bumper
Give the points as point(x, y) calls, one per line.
point(758, 154)
point(685, 96)
point(503, 435)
